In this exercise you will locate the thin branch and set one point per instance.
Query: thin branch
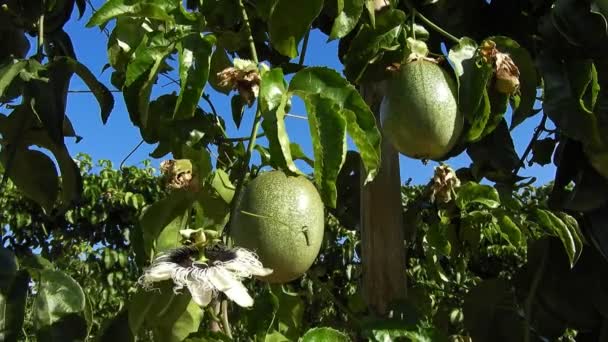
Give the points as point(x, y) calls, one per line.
point(207, 99)
point(131, 153)
point(539, 129)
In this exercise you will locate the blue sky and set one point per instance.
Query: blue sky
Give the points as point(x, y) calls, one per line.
point(118, 137)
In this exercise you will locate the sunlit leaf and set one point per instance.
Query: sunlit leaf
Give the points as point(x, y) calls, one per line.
point(194, 59)
point(360, 121)
point(471, 192)
point(324, 334)
point(273, 99)
point(115, 8)
point(347, 19)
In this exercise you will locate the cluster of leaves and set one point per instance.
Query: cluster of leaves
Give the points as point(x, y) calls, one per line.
point(462, 257)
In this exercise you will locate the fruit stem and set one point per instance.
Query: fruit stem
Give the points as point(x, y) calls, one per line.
point(430, 23)
point(539, 129)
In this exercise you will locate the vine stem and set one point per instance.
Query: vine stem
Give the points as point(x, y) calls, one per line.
point(39, 53)
point(431, 24)
point(224, 317)
point(537, 131)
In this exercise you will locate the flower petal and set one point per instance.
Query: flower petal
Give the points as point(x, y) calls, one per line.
point(246, 264)
point(159, 272)
point(201, 294)
point(225, 281)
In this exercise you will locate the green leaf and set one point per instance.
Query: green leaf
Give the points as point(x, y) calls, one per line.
point(169, 237)
point(171, 316)
point(527, 77)
point(237, 104)
point(276, 336)
point(437, 238)
point(162, 213)
point(115, 8)
point(510, 230)
point(223, 186)
point(328, 132)
point(219, 62)
point(471, 192)
point(59, 307)
point(569, 237)
point(34, 173)
point(273, 99)
point(13, 294)
point(289, 21)
point(360, 121)
point(290, 312)
point(560, 102)
point(9, 72)
point(141, 74)
point(100, 91)
point(370, 41)
point(194, 58)
point(186, 321)
point(347, 19)
point(324, 334)
point(260, 319)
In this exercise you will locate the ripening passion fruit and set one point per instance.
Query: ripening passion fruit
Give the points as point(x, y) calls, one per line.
point(282, 219)
point(419, 113)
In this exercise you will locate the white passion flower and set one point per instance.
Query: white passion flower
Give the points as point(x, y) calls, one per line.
point(222, 272)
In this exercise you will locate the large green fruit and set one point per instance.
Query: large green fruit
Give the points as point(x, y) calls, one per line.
point(419, 113)
point(282, 219)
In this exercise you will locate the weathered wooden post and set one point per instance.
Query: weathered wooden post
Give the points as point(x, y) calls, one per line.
point(382, 230)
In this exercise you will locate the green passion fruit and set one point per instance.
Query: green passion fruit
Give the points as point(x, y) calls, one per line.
point(282, 219)
point(419, 113)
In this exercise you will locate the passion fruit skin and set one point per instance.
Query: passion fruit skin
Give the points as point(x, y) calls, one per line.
point(419, 113)
point(282, 219)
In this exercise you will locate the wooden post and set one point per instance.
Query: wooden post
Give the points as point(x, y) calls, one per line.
point(382, 230)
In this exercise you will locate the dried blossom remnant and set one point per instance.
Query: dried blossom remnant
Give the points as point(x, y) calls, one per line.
point(178, 174)
point(243, 77)
point(507, 74)
point(443, 184)
point(488, 51)
point(223, 271)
